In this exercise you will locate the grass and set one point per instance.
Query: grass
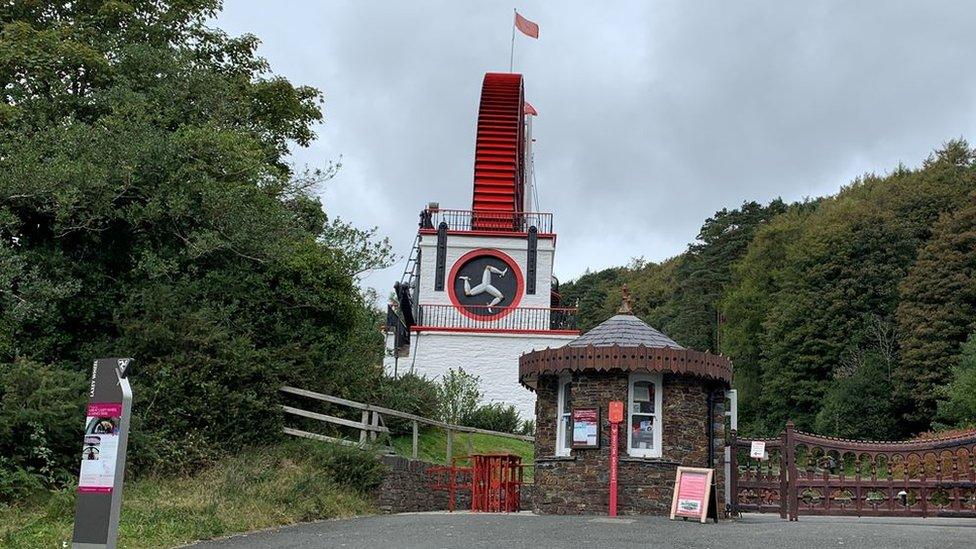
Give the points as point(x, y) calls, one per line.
point(432, 446)
point(271, 487)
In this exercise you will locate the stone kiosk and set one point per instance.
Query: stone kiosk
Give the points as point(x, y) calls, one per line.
point(673, 416)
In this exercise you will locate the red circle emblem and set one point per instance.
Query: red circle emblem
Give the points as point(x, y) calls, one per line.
point(485, 284)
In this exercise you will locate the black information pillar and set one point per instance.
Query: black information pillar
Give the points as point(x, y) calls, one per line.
point(103, 455)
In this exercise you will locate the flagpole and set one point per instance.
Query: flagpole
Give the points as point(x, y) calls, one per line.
point(511, 58)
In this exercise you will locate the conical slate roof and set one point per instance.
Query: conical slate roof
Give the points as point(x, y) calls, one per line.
point(600, 350)
point(625, 330)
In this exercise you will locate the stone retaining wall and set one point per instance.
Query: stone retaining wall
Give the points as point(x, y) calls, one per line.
point(406, 488)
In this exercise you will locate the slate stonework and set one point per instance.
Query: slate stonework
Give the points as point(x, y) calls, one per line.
point(579, 484)
point(406, 488)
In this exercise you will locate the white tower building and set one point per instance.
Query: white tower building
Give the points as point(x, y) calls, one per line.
point(478, 290)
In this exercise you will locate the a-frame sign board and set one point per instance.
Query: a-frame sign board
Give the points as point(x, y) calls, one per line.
point(694, 494)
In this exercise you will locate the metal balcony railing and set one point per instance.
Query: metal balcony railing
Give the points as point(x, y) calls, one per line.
point(486, 220)
point(507, 319)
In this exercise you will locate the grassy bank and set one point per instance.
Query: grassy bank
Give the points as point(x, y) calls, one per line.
point(432, 446)
point(285, 484)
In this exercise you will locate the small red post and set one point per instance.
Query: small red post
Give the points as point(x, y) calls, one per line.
point(616, 418)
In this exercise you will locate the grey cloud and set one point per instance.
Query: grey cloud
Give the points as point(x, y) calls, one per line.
point(652, 115)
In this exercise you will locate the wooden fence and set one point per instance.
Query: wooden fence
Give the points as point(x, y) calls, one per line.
point(371, 423)
point(807, 474)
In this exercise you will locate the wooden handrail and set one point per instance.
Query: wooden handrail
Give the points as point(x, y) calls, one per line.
point(395, 413)
point(333, 419)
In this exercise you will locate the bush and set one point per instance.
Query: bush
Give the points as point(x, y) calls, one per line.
point(359, 469)
point(459, 395)
point(410, 393)
point(494, 417)
point(41, 417)
point(16, 483)
point(202, 392)
point(528, 428)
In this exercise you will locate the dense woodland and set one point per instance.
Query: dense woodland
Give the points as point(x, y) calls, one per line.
point(849, 314)
point(147, 209)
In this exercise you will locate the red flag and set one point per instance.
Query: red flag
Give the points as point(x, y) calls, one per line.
point(527, 108)
point(527, 27)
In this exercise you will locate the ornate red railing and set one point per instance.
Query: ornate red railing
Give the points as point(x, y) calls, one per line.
point(502, 319)
point(832, 476)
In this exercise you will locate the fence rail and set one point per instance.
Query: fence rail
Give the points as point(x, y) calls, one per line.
point(371, 423)
point(814, 475)
point(486, 220)
point(514, 319)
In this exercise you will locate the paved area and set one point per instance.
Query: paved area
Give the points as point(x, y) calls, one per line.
point(443, 530)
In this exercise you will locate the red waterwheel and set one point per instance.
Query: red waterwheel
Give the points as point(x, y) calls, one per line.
point(499, 163)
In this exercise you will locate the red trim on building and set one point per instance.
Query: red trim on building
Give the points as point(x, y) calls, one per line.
point(512, 265)
point(506, 234)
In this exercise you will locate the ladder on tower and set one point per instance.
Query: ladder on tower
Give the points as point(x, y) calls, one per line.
point(410, 278)
point(412, 270)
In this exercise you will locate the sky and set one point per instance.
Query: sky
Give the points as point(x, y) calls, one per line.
point(652, 115)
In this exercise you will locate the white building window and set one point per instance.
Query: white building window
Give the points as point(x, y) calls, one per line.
point(564, 428)
point(644, 415)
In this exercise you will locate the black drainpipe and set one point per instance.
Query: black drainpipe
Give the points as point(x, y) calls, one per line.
point(710, 430)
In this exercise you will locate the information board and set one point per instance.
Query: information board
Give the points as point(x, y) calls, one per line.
point(694, 494)
point(100, 447)
point(586, 428)
point(102, 455)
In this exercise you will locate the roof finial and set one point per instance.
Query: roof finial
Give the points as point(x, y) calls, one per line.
point(625, 302)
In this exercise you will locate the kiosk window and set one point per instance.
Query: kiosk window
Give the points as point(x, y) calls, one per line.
point(564, 430)
point(644, 412)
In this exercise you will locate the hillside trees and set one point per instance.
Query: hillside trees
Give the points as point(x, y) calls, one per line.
point(868, 292)
point(706, 270)
point(147, 209)
point(937, 313)
point(838, 284)
point(957, 405)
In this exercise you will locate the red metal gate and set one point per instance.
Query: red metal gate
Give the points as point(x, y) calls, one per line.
point(493, 481)
point(496, 482)
point(813, 475)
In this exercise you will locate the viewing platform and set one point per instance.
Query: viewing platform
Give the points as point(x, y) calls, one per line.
point(510, 320)
point(486, 222)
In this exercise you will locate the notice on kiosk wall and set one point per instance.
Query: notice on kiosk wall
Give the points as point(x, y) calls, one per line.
point(99, 448)
point(586, 428)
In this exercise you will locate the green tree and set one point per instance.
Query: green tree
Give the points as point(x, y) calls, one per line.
point(706, 270)
point(858, 403)
point(757, 279)
point(148, 209)
point(589, 292)
point(957, 407)
point(936, 314)
point(459, 395)
point(840, 273)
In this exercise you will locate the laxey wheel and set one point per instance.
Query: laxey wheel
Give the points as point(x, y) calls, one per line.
point(499, 157)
